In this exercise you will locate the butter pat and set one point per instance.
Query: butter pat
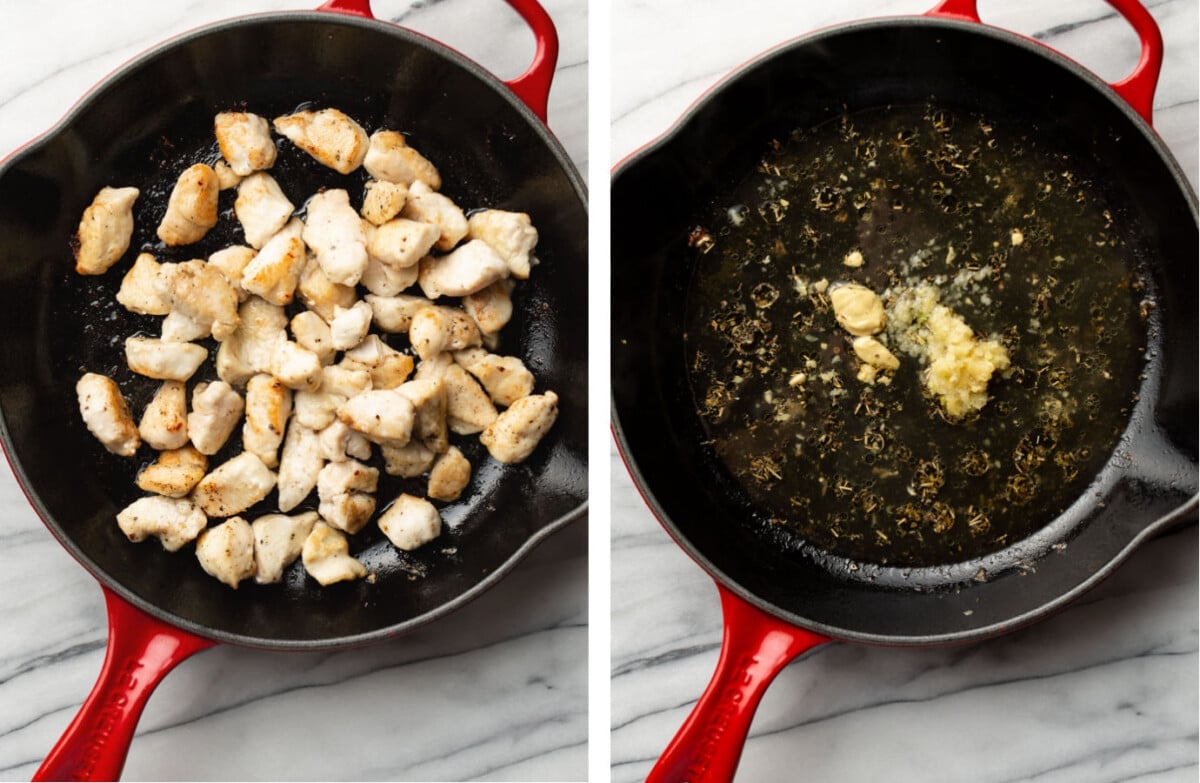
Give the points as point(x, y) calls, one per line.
point(875, 353)
point(858, 309)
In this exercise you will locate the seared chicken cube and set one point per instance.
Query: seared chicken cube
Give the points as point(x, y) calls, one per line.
point(410, 522)
point(389, 158)
point(164, 422)
point(106, 415)
point(312, 334)
point(175, 473)
point(383, 201)
point(203, 294)
point(468, 407)
point(491, 308)
point(429, 401)
point(232, 262)
point(278, 540)
point(245, 141)
point(180, 328)
point(435, 330)
point(384, 416)
point(343, 476)
point(402, 243)
point(250, 350)
point(216, 410)
point(388, 367)
point(192, 207)
point(515, 433)
point(163, 360)
point(227, 178)
point(385, 280)
point(468, 270)
point(296, 367)
point(395, 313)
point(318, 409)
point(262, 208)
point(105, 230)
point(320, 294)
point(146, 287)
point(275, 271)
point(450, 475)
point(173, 521)
point(226, 552)
point(510, 234)
point(349, 326)
point(407, 461)
point(331, 137)
point(335, 233)
point(345, 381)
point(268, 406)
point(505, 378)
point(426, 206)
point(326, 556)
point(234, 487)
point(348, 511)
point(340, 443)
point(299, 465)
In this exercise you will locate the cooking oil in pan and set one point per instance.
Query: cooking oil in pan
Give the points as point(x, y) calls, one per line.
point(922, 206)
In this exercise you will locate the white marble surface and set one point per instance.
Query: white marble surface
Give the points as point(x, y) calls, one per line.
point(497, 691)
point(1105, 691)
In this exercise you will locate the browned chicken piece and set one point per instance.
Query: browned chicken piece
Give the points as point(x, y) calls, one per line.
point(331, 137)
point(227, 178)
point(318, 409)
point(395, 313)
point(275, 271)
point(299, 465)
point(388, 367)
point(232, 262)
point(335, 233)
point(468, 270)
point(450, 475)
point(468, 408)
point(350, 326)
point(429, 401)
point(278, 540)
point(268, 406)
point(339, 443)
point(173, 521)
point(226, 551)
point(146, 287)
point(505, 378)
point(427, 206)
point(510, 234)
point(348, 511)
point(203, 294)
point(164, 422)
point(192, 207)
point(175, 473)
point(402, 243)
point(326, 556)
point(436, 330)
point(490, 308)
point(104, 230)
point(390, 159)
point(234, 486)
point(251, 349)
point(384, 279)
point(383, 201)
point(407, 461)
point(344, 476)
point(514, 434)
point(216, 411)
point(166, 361)
point(245, 141)
point(320, 294)
point(180, 328)
point(296, 367)
point(106, 415)
point(383, 416)
point(410, 522)
point(262, 208)
point(312, 334)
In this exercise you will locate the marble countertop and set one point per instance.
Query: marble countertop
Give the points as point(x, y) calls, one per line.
point(1104, 691)
point(437, 704)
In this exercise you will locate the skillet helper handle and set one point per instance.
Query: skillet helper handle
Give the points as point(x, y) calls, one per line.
point(533, 86)
point(1138, 88)
point(755, 647)
point(141, 650)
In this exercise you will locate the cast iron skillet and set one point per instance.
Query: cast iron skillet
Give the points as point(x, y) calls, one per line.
point(777, 602)
point(490, 143)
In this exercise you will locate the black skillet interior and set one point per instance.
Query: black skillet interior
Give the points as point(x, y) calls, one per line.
point(658, 195)
point(146, 125)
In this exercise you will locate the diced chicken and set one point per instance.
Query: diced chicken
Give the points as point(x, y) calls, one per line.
point(296, 367)
point(390, 159)
point(349, 326)
point(343, 476)
point(385, 280)
point(491, 308)
point(232, 262)
point(383, 201)
point(216, 410)
point(318, 409)
point(427, 206)
point(402, 243)
point(384, 416)
point(180, 328)
point(331, 137)
point(335, 233)
point(395, 313)
point(146, 287)
point(450, 475)
point(268, 406)
point(203, 294)
point(105, 230)
point(299, 464)
point(340, 443)
point(192, 207)
point(515, 433)
point(320, 294)
point(388, 367)
point(251, 349)
point(262, 208)
point(326, 556)
point(468, 270)
point(226, 552)
point(164, 422)
point(275, 271)
point(106, 415)
point(468, 407)
point(175, 473)
point(410, 522)
point(345, 381)
point(312, 334)
point(505, 378)
point(227, 178)
point(348, 511)
point(407, 461)
point(234, 487)
point(435, 330)
point(165, 361)
point(173, 521)
point(429, 401)
point(510, 234)
point(278, 540)
point(245, 141)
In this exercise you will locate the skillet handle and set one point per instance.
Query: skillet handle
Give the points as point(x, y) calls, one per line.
point(533, 86)
point(755, 647)
point(1138, 88)
point(141, 650)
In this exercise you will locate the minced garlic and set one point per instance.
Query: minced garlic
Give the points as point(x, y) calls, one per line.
point(960, 366)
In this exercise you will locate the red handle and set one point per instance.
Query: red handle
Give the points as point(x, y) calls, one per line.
point(1138, 88)
point(755, 647)
point(533, 86)
point(141, 650)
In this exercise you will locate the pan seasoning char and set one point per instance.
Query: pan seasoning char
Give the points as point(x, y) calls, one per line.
point(1004, 370)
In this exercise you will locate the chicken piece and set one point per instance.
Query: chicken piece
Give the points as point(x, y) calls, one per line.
point(296, 367)
point(514, 434)
point(275, 271)
point(348, 511)
point(180, 328)
point(388, 367)
point(468, 407)
point(164, 422)
point(312, 334)
point(104, 230)
point(234, 487)
point(251, 348)
point(384, 416)
point(429, 401)
point(349, 326)
point(468, 270)
point(384, 280)
point(216, 410)
point(268, 406)
point(395, 313)
point(426, 206)
point(383, 201)
point(320, 294)
point(203, 294)
point(227, 178)
point(407, 461)
point(510, 234)
point(335, 233)
point(192, 207)
point(299, 465)
point(436, 330)
point(106, 415)
point(505, 378)
point(339, 443)
point(226, 552)
point(331, 137)
point(173, 521)
point(278, 540)
point(146, 287)
point(326, 556)
point(402, 243)
point(410, 522)
point(232, 262)
point(245, 141)
point(450, 475)
point(390, 159)
point(261, 208)
point(318, 409)
point(165, 361)
point(343, 476)
point(175, 473)
point(490, 308)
